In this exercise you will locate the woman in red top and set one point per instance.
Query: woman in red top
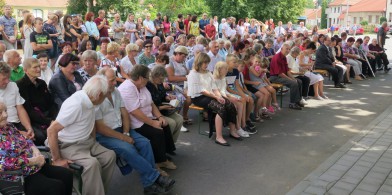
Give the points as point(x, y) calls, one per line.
point(166, 26)
point(210, 30)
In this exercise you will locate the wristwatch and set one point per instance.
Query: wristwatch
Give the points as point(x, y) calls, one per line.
point(126, 133)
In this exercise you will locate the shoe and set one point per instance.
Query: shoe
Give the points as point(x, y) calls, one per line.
point(184, 129)
point(307, 98)
point(276, 105)
point(271, 110)
point(172, 153)
point(236, 138)
point(358, 78)
point(266, 116)
point(363, 76)
point(300, 104)
point(386, 70)
point(222, 144)
point(295, 106)
point(187, 121)
point(155, 189)
point(348, 82)
point(325, 97)
point(167, 165)
point(162, 172)
point(242, 133)
point(340, 86)
point(318, 98)
point(250, 131)
point(250, 124)
point(381, 68)
point(165, 182)
point(303, 102)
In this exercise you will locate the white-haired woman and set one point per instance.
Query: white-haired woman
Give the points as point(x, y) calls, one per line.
point(90, 63)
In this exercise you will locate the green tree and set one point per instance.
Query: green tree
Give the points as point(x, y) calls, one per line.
point(323, 15)
point(383, 19)
point(2, 3)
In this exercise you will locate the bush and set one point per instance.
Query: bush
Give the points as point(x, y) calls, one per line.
point(383, 19)
point(364, 23)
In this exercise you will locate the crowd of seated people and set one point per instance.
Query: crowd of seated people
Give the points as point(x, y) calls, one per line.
point(130, 100)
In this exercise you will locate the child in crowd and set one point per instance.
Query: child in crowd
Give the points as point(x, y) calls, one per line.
point(220, 72)
point(46, 73)
point(235, 87)
point(258, 73)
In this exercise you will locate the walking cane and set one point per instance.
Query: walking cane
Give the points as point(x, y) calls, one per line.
point(370, 67)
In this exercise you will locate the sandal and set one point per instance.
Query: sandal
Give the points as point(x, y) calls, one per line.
point(188, 121)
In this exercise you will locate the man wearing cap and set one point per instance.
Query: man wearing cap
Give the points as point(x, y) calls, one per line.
point(204, 21)
point(149, 27)
point(213, 53)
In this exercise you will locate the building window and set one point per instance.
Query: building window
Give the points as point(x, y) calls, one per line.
point(369, 19)
point(390, 16)
point(339, 9)
point(38, 13)
point(377, 19)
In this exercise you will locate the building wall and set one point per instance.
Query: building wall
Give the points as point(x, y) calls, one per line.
point(333, 13)
point(357, 17)
point(37, 12)
point(389, 12)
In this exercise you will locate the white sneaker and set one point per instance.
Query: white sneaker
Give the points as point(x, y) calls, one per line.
point(318, 98)
point(184, 129)
point(242, 133)
point(324, 96)
point(303, 101)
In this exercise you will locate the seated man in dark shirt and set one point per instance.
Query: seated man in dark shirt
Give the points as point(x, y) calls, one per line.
point(278, 71)
point(38, 104)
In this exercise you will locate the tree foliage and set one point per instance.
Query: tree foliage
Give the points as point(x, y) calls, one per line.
point(323, 14)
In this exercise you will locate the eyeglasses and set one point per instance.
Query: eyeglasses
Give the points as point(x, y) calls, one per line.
point(148, 46)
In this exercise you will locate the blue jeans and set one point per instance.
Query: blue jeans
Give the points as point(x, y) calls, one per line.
point(139, 155)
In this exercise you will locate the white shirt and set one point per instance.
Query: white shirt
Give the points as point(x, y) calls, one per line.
point(214, 59)
point(279, 30)
point(149, 24)
point(46, 75)
point(77, 116)
point(228, 31)
point(111, 113)
point(301, 29)
point(127, 64)
point(199, 82)
point(292, 63)
point(221, 84)
point(12, 98)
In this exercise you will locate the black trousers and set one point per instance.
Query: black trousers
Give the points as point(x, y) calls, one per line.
point(382, 59)
point(94, 43)
point(50, 180)
point(304, 85)
point(336, 72)
point(161, 141)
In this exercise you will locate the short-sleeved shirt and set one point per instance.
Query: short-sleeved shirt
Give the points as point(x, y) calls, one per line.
point(136, 99)
point(17, 73)
point(127, 64)
point(203, 23)
point(12, 98)
point(348, 49)
point(9, 24)
point(278, 65)
point(39, 38)
point(84, 74)
point(150, 25)
point(77, 116)
point(103, 32)
point(115, 25)
point(179, 70)
point(231, 77)
point(158, 22)
point(381, 33)
point(214, 59)
point(292, 63)
point(144, 60)
point(111, 113)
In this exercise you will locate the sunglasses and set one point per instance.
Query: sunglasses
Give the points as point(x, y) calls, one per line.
point(148, 46)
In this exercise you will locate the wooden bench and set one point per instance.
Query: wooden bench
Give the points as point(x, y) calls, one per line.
point(200, 110)
point(278, 86)
point(324, 73)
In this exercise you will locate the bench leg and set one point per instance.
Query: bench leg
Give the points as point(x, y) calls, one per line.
point(281, 97)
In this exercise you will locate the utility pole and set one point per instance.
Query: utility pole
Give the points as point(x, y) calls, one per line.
point(347, 13)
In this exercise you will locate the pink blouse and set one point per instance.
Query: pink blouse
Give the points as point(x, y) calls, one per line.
point(136, 99)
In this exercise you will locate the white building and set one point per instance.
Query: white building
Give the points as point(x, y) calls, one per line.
point(335, 10)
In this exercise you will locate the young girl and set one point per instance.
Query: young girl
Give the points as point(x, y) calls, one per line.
point(220, 72)
point(235, 87)
point(258, 72)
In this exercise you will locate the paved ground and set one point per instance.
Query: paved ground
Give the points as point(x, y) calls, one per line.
point(286, 149)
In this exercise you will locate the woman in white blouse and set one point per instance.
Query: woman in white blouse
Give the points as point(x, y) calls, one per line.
point(131, 59)
point(205, 94)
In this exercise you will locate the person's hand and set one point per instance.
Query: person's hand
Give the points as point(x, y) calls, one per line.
point(30, 134)
point(163, 121)
point(220, 100)
point(40, 160)
point(129, 139)
point(257, 83)
point(1, 28)
point(171, 97)
point(156, 124)
point(334, 64)
point(62, 162)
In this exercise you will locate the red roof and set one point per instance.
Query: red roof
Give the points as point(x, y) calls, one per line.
point(369, 6)
point(311, 13)
point(342, 16)
point(344, 2)
point(37, 3)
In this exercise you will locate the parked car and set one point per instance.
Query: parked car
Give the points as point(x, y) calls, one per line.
point(359, 31)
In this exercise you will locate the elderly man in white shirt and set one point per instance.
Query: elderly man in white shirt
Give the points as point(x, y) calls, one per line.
point(71, 137)
point(302, 28)
point(9, 92)
point(279, 30)
point(213, 53)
